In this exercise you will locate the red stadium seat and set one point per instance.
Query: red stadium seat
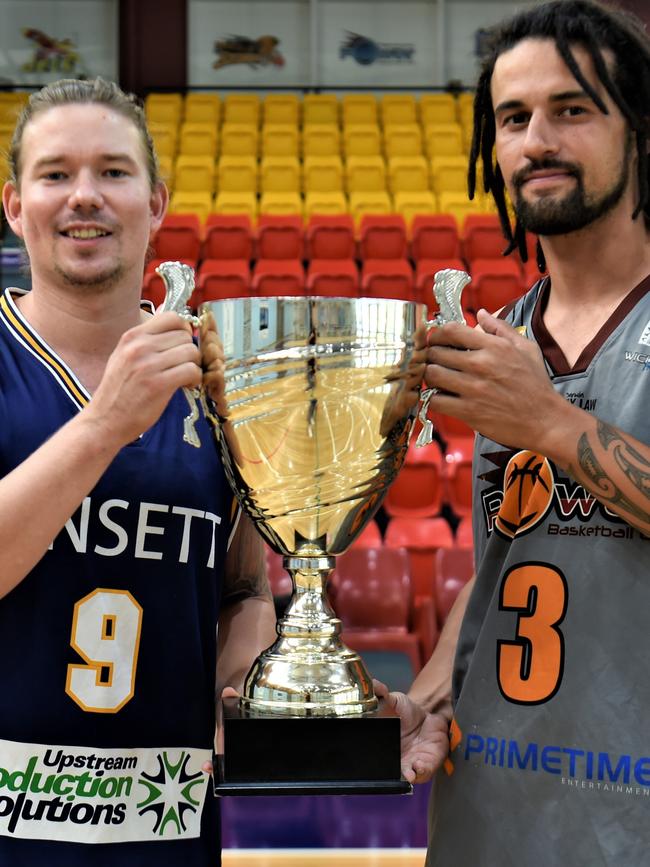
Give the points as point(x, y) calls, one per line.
point(464, 533)
point(454, 568)
point(495, 282)
point(331, 237)
point(335, 277)
point(434, 236)
point(383, 236)
point(178, 238)
point(482, 237)
point(370, 537)
point(387, 278)
point(375, 604)
point(279, 277)
point(280, 237)
point(228, 236)
point(421, 537)
point(224, 278)
point(458, 475)
point(417, 490)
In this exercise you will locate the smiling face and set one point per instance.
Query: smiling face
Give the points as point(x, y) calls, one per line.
point(84, 205)
point(565, 163)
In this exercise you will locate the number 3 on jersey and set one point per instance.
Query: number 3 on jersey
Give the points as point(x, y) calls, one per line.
point(106, 634)
point(529, 668)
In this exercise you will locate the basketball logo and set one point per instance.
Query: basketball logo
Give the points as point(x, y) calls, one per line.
point(527, 494)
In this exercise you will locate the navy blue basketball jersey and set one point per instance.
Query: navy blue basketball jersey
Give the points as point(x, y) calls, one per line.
point(108, 646)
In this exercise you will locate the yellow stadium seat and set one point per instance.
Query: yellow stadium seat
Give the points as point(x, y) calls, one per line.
point(280, 175)
point(242, 108)
point(163, 107)
point(443, 140)
point(449, 174)
point(6, 134)
point(361, 140)
point(365, 174)
point(458, 205)
point(236, 203)
point(198, 139)
point(322, 174)
point(194, 174)
point(280, 140)
point(318, 202)
point(281, 108)
point(403, 140)
point(321, 140)
point(359, 108)
point(237, 175)
point(203, 108)
point(281, 203)
point(408, 174)
point(11, 104)
point(166, 169)
point(369, 203)
point(191, 203)
point(437, 108)
point(398, 108)
point(165, 138)
point(320, 108)
point(410, 203)
point(239, 140)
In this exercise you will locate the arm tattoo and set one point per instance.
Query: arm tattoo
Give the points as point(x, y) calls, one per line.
point(633, 465)
point(245, 570)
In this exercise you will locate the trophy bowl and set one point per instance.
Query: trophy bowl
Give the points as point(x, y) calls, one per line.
point(316, 401)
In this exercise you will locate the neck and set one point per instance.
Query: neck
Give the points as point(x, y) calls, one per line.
point(81, 325)
point(599, 263)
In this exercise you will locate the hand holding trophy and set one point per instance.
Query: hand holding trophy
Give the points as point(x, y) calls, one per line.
point(312, 401)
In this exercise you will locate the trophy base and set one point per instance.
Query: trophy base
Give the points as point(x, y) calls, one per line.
point(271, 754)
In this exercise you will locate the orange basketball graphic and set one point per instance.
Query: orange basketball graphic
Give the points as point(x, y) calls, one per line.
point(527, 494)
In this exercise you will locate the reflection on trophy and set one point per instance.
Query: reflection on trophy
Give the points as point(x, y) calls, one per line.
point(313, 401)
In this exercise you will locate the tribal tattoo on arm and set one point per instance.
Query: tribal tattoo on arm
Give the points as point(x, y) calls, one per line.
point(617, 474)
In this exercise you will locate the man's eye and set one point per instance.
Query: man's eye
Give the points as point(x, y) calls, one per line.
point(572, 111)
point(516, 119)
point(54, 176)
point(116, 173)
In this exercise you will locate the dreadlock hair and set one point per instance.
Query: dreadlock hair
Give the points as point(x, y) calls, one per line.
point(593, 26)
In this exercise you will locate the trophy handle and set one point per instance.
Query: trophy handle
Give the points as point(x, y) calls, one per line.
point(179, 285)
point(448, 286)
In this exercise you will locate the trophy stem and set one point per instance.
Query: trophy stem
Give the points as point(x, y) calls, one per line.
point(308, 671)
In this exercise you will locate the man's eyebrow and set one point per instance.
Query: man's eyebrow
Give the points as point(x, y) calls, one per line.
point(562, 96)
point(54, 159)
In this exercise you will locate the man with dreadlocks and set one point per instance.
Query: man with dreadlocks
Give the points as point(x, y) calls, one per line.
point(549, 759)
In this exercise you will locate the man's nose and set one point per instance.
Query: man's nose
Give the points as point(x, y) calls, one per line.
point(85, 192)
point(541, 140)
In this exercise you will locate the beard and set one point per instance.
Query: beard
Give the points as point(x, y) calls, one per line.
point(104, 280)
point(575, 210)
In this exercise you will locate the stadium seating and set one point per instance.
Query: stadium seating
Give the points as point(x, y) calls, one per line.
point(359, 108)
point(322, 174)
point(435, 236)
point(203, 108)
point(223, 278)
point(228, 236)
point(331, 237)
point(482, 237)
point(321, 140)
point(383, 237)
point(454, 568)
point(320, 108)
point(198, 139)
point(194, 174)
point(417, 491)
point(179, 237)
point(365, 174)
point(387, 278)
point(437, 108)
point(362, 140)
point(495, 282)
point(335, 277)
point(280, 175)
point(281, 108)
point(421, 537)
point(398, 108)
point(403, 140)
point(241, 108)
point(278, 277)
point(280, 238)
point(280, 140)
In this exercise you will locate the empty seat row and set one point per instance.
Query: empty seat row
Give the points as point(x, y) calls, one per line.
point(238, 139)
point(288, 108)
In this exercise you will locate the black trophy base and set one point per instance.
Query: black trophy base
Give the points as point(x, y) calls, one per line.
point(268, 754)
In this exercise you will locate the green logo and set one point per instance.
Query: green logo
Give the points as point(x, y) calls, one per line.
point(169, 793)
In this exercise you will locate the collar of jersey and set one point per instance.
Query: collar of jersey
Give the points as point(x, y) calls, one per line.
point(22, 332)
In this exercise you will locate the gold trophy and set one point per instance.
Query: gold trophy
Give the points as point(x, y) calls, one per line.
point(312, 401)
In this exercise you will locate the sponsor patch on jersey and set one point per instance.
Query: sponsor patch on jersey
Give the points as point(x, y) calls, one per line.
point(87, 795)
point(645, 337)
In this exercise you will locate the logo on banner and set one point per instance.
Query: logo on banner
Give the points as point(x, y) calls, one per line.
point(50, 54)
point(365, 51)
point(254, 52)
point(100, 796)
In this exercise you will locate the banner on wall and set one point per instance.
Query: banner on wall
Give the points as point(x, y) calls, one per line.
point(42, 40)
point(253, 52)
point(365, 51)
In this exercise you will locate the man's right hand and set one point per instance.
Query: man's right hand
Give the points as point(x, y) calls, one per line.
point(150, 362)
point(424, 736)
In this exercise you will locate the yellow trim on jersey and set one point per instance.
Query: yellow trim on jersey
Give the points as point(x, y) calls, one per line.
point(47, 357)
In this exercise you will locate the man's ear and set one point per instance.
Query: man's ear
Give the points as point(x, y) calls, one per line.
point(158, 205)
point(12, 208)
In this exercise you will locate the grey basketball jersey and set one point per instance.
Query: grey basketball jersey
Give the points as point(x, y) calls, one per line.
point(550, 759)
